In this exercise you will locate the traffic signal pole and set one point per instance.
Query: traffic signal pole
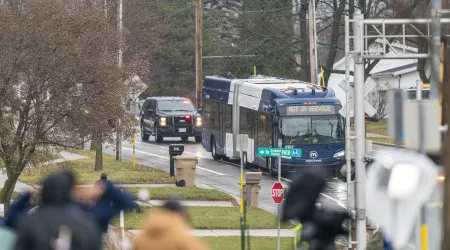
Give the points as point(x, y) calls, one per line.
point(198, 53)
point(360, 168)
point(280, 145)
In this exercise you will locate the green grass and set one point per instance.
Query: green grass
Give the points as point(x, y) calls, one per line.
point(380, 127)
point(118, 172)
point(185, 193)
point(258, 243)
point(215, 218)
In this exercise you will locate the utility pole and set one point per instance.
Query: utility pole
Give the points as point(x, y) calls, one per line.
point(120, 27)
point(312, 49)
point(436, 6)
point(198, 53)
point(360, 168)
point(446, 155)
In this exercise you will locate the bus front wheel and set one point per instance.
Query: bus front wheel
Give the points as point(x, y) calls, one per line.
point(214, 154)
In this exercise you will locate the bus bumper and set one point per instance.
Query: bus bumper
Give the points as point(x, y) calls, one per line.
point(331, 167)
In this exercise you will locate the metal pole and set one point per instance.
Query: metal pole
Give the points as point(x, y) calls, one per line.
point(418, 90)
point(347, 127)
point(133, 161)
point(435, 49)
point(198, 53)
point(119, 135)
point(311, 43)
point(359, 114)
point(280, 145)
point(120, 27)
point(315, 42)
point(423, 221)
point(241, 182)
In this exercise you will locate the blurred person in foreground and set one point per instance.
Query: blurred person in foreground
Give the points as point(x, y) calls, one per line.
point(57, 224)
point(167, 228)
point(102, 202)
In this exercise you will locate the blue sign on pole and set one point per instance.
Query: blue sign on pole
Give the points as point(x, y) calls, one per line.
point(296, 152)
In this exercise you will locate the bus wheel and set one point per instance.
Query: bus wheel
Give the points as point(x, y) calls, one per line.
point(214, 154)
point(270, 167)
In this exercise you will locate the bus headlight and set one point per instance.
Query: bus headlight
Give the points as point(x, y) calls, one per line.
point(340, 154)
point(162, 121)
point(198, 122)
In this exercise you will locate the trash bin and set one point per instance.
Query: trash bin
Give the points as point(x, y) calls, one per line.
point(185, 166)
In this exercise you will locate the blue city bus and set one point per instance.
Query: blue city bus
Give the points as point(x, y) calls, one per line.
point(303, 115)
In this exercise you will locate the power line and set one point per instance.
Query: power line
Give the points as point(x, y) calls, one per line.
point(257, 11)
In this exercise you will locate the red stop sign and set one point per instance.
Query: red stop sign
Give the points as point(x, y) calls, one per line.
point(277, 192)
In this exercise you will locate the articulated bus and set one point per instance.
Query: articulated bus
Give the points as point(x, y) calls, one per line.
point(267, 109)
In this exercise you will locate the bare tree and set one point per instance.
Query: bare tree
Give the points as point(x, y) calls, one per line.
point(378, 99)
point(56, 79)
point(331, 22)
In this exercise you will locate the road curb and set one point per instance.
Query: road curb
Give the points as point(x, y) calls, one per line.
point(385, 144)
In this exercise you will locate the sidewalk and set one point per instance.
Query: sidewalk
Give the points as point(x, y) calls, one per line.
point(368, 134)
point(225, 232)
point(190, 203)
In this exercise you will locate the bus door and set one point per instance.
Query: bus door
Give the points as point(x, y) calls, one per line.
point(263, 135)
point(220, 136)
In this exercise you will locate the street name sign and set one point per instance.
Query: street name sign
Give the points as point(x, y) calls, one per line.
point(284, 152)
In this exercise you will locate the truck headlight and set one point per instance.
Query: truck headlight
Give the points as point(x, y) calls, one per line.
point(198, 122)
point(340, 154)
point(162, 121)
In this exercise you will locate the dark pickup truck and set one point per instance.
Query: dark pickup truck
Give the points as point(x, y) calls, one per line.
point(170, 117)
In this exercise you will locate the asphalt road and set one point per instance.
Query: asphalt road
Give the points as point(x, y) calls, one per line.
point(221, 175)
point(224, 176)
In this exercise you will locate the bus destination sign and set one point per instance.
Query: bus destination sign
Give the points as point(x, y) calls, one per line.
point(309, 110)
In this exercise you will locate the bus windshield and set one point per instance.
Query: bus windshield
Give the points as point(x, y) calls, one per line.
point(175, 105)
point(312, 129)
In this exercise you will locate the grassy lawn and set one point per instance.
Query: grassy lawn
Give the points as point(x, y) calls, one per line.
point(380, 127)
point(118, 172)
point(215, 218)
point(259, 243)
point(185, 193)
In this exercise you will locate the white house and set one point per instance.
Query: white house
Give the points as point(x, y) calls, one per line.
point(387, 74)
point(133, 102)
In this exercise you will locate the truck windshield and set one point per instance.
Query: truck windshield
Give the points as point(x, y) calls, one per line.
point(312, 129)
point(175, 105)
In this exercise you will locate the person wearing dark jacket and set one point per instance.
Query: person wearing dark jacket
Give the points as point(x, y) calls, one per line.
point(57, 224)
point(110, 203)
point(102, 209)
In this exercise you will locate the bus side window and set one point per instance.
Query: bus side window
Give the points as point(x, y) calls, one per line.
point(243, 124)
point(206, 114)
point(228, 118)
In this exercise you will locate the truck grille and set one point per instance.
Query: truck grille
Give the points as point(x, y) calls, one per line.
point(181, 120)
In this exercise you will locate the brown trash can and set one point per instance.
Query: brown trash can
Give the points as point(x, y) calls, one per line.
point(185, 166)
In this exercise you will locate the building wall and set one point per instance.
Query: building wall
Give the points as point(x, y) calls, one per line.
point(408, 80)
